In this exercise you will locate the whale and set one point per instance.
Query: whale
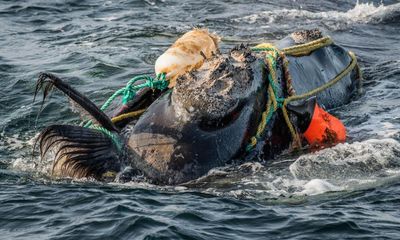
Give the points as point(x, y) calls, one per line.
point(205, 121)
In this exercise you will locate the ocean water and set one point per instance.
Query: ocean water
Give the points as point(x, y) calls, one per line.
point(350, 191)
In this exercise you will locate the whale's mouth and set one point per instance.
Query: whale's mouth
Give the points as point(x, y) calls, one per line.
point(217, 88)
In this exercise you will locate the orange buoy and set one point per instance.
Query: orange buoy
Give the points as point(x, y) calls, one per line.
point(324, 129)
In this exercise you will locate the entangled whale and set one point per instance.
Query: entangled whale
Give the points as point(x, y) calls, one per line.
point(206, 109)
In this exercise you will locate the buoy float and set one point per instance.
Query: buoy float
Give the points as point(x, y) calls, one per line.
point(186, 54)
point(324, 129)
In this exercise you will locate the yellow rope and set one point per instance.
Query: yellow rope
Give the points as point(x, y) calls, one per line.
point(293, 132)
point(314, 92)
point(264, 116)
point(301, 49)
point(298, 50)
point(128, 115)
point(271, 100)
point(327, 85)
point(272, 103)
point(307, 48)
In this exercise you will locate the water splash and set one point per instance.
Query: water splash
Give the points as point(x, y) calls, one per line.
point(361, 13)
point(345, 167)
point(349, 161)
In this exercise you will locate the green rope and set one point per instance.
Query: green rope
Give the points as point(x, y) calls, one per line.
point(271, 111)
point(128, 93)
point(275, 89)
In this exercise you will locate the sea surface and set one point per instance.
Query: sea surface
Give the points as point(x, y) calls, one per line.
point(351, 191)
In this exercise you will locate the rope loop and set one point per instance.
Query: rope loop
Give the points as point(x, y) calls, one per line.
point(128, 93)
point(275, 101)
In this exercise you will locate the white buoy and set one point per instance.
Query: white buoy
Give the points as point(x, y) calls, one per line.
point(186, 54)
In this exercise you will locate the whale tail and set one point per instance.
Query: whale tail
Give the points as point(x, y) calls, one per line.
point(79, 152)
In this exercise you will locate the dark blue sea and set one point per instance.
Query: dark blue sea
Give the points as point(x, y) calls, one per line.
point(351, 191)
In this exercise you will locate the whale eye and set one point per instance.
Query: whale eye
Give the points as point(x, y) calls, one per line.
point(207, 124)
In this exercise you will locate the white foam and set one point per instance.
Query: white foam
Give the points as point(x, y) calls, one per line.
point(361, 13)
point(345, 167)
point(346, 161)
point(319, 186)
point(23, 164)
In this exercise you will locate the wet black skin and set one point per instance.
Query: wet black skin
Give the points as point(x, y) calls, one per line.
point(201, 144)
point(200, 147)
point(316, 69)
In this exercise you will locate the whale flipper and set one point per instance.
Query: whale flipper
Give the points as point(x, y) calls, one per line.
point(47, 81)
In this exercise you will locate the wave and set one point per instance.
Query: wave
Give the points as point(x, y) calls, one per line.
point(349, 161)
point(344, 168)
point(361, 13)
